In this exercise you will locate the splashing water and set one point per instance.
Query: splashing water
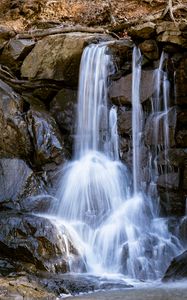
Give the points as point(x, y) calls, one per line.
point(114, 231)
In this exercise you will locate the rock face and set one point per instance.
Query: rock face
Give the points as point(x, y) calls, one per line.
point(13, 191)
point(56, 57)
point(33, 243)
point(177, 269)
point(15, 139)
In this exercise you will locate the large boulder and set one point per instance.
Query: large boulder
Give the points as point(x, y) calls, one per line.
point(47, 140)
point(14, 139)
point(57, 57)
point(17, 181)
point(143, 31)
point(34, 243)
point(169, 32)
point(121, 90)
point(160, 128)
point(15, 51)
point(181, 78)
point(177, 269)
point(63, 109)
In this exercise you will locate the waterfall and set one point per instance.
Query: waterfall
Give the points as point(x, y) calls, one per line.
point(114, 230)
point(137, 118)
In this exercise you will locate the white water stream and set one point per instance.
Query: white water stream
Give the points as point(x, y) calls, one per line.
point(114, 226)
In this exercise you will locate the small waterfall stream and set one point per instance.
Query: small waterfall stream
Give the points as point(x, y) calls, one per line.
point(114, 227)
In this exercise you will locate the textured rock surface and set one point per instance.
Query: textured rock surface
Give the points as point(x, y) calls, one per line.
point(47, 140)
point(17, 181)
point(57, 57)
point(33, 243)
point(120, 90)
point(177, 269)
point(15, 139)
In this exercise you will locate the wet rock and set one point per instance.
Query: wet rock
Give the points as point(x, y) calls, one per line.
point(169, 32)
point(34, 243)
point(175, 157)
point(56, 57)
point(47, 140)
point(124, 121)
point(41, 203)
point(120, 90)
point(177, 269)
point(181, 77)
point(23, 287)
point(17, 181)
point(14, 139)
point(63, 109)
point(149, 49)
point(169, 181)
point(172, 202)
point(143, 31)
point(14, 52)
point(183, 231)
point(181, 138)
point(158, 126)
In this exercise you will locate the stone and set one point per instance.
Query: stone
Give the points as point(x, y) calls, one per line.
point(149, 49)
point(46, 137)
point(34, 243)
point(158, 126)
point(41, 203)
point(63, 109)
point(181, 138)
point(181, 78)
point(124, 122)
point(15, 51)
point(23, 287)
point(56, 57)
point(120, 90)
point(13, 126)
point(169, 32)
point(183, 231)
point(177, 269)
point(142, 31)
point(175, 157)
point(172, 203)
point(168, 181)
point(17, 181)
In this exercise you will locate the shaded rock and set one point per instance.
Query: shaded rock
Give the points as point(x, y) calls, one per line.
point(6, 267)
point(172, 202)
point(5, 35)
point(143, 31)
point(120, 90)
point(62, 108)
point(177, 269)
point(181, 78)
point(175, 157)
point(124, 121)
point(56, 57)
point(23, 287)
point(181, 138)
point(169, 32)
point(47, 141)
point(169, 181)
point(14, 138)
point(17, 181)
point(38, 204)
point(14, 52)
point(149, 49)
point(160, 125)
point(34, 243)
point(122, 56)
point(183, 231)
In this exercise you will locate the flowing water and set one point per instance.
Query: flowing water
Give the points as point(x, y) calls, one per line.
point(112, 223)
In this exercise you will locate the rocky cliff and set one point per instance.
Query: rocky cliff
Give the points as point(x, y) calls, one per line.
point(38, 93)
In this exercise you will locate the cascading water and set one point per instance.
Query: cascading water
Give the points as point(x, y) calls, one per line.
point(114, 230)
